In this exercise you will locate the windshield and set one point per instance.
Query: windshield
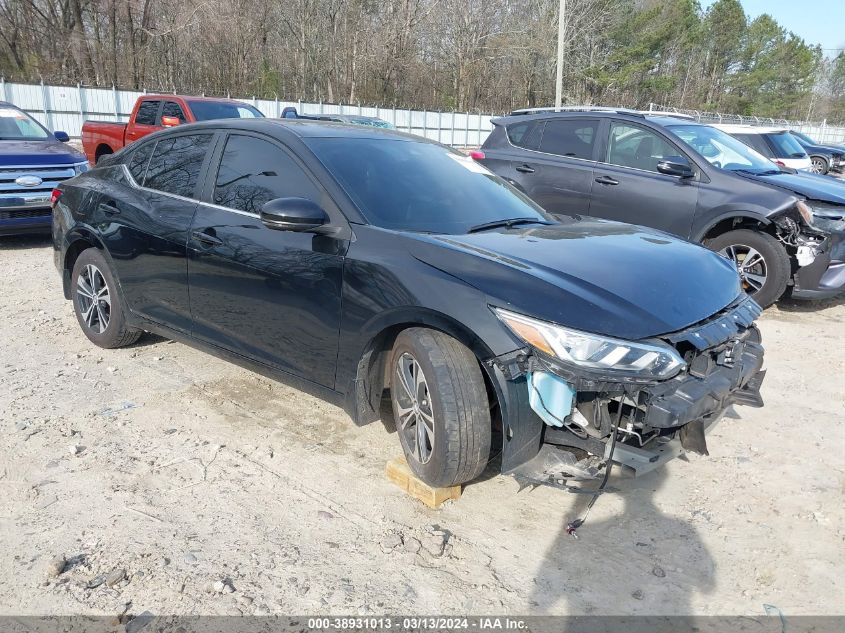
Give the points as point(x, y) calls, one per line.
point(416, 186)
point(18, 125)
point(786, 145)
point(803, 137)
point(721, 149)
point(209, 110)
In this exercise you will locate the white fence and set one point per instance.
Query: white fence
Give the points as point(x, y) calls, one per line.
point(66, 107)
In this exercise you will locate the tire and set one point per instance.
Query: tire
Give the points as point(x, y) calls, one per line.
point(775, 268)
point(103, 321)
point(102, 153)
point(819, 165)
point(451, 405)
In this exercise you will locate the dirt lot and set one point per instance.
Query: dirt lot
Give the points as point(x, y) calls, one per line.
point(216, 491)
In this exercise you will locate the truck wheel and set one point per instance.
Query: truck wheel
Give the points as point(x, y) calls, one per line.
point(818, 165)
point(440, 407)
point(96, 302)
point(101, 152)
point(761, 260)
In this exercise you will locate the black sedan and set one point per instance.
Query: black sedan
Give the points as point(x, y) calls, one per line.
point(362, 264)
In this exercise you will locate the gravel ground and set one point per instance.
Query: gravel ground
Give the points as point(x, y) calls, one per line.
point(160, 478)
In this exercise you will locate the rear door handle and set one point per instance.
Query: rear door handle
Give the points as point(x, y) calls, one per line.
point(525, 169)
point(607, 180)
point(109, 208)
point(206, 238)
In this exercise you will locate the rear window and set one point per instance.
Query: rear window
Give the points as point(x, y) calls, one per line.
point(526, 134)
point(175, 164)
point(786, 146)
point(147, 112)
point(573, 138)
point(209, 110)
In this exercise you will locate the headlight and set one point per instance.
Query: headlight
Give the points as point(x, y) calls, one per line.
point(608, 356)
point(79, 168)
point(827, 217)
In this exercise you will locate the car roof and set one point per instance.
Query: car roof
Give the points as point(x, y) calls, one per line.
point(155, 95)
point(749, 129)
point(303, 129)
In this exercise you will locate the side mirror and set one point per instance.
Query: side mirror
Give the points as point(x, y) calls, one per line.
point(293, 214)
point(170, 121)
point(62, 137)
point(676, 166)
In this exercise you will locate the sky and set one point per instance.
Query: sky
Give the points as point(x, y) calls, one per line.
point(818, 22)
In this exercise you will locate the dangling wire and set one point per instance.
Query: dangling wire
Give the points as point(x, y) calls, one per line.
point(574, 525)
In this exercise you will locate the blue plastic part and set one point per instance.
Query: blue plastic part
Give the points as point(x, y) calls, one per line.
point(550, 397)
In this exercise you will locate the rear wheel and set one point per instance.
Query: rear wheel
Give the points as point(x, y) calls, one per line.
point(762, 262)
point(97, 304)
point(818, 165)
point(440, 407)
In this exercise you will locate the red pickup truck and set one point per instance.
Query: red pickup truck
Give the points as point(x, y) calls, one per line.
point(155, 112)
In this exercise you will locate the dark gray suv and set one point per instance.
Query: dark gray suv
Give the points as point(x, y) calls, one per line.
point(665, 172)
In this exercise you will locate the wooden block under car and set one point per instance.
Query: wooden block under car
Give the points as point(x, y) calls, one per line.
point(398, 471)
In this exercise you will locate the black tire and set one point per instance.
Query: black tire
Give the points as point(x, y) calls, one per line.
point(107, 310)
point(820, 165)
point(457, 402)
point(775, 258)
point(102, 153)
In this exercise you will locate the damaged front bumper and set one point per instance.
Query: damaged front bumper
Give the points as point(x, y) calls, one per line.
point(653, 421)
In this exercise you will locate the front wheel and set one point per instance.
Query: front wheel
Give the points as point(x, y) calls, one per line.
point(440, 407)
point(761, 260)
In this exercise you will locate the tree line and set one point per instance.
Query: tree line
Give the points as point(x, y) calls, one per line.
point(487, 55)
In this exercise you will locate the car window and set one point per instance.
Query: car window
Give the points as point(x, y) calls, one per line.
point(569, 137)
point(147, 112)
point(171, 108)
point(253, 171)
point(138, 159)
point(208, 110)
point(786, 146)
point(757, 142)
point(633, 146)
point(175, 164)
point(526, 134)
point(417, 186)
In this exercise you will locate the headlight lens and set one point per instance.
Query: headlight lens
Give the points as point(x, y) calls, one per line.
point(827, 217)
point(608, 356)
point(79, 168)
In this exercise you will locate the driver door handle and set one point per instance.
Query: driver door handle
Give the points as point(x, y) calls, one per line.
point(525, 169)
point(607, 180)
point(206, 238)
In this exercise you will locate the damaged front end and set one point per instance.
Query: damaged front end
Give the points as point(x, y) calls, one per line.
point(670, 393)
point(816, 239)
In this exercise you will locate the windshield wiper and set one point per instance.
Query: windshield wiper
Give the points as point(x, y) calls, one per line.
point(765, 172)
point(495, 224)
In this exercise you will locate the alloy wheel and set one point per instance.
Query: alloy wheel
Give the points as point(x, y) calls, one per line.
point(817, 166)
point(94, 298)
point(415, 413)
point(750, 265)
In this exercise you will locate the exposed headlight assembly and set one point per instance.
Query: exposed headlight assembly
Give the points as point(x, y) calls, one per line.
point(613, 358)
point(79, 168)
point(827, 217)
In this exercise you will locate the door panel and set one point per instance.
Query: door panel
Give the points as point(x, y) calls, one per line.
point(628, 187)
point(273, 296)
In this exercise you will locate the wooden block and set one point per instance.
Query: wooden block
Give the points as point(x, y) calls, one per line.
point(398, 471)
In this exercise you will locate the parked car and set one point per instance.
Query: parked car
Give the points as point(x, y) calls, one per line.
point(33, 161)
point(650, 170)
point(350, 119)
point(825, 158)
point(776, 144)
point(155, 112)
point(356, 262)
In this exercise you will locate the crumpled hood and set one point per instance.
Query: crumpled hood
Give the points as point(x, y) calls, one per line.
point(32, 153)
point(812, 186)
point(593, 275)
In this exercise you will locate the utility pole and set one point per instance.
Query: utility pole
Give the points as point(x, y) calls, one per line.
point(561, 28)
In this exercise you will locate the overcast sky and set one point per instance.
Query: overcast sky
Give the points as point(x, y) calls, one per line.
point(818, 22)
